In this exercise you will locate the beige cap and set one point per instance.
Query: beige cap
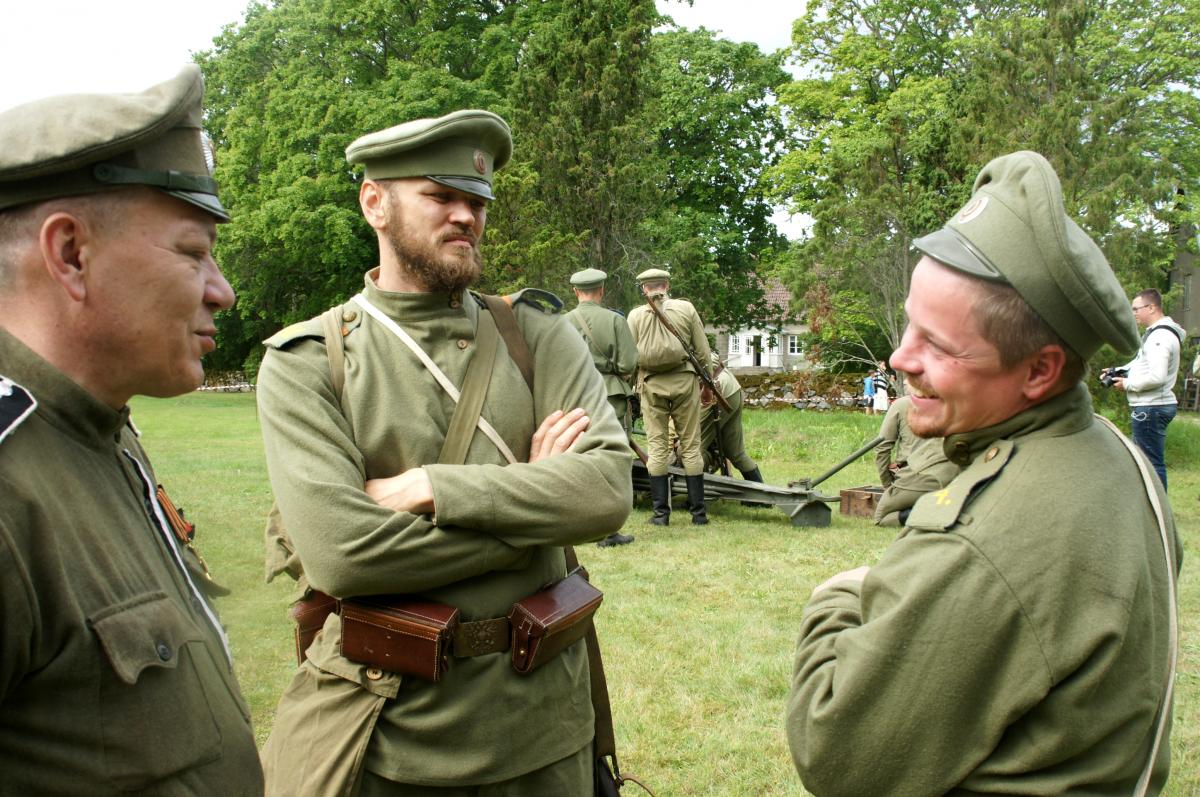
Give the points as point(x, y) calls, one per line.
point(78, 144)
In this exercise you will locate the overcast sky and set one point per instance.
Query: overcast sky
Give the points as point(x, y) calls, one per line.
point(67, 46)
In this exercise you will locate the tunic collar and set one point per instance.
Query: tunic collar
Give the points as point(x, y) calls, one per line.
point(416, 307)
point(1066, 413)
point(61, 401)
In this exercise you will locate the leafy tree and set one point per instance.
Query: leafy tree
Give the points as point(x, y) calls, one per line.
point(719, 130)
point(905, 102)
point(578, 100)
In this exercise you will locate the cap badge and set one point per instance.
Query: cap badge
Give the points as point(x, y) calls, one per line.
point(480, 163)
point(972, 209)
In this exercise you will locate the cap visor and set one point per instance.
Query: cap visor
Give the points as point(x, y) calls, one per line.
point(947, 246)
point(468, 185)
point(208, 202)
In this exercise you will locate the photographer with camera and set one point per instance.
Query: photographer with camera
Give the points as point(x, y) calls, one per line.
point(1149, 379)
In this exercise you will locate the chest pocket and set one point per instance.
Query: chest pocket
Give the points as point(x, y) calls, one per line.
point(154, 709)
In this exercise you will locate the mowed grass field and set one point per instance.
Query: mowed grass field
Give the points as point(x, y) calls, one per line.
point(698, 623)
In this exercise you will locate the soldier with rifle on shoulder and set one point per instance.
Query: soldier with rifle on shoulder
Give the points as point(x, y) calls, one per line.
point(673, 356)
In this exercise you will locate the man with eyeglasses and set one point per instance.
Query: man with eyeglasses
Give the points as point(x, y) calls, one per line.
point(1150, 382)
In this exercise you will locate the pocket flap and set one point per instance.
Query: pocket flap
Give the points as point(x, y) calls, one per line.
point(146, 631)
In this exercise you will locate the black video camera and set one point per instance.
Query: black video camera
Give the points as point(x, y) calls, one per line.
point(1109, 375)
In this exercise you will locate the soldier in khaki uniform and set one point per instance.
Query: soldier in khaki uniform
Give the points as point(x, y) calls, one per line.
point(909, 466)
point(670, 391)
point(613, 352)
point(715, 421)
point(115, 673)
point(1020, 635)
point(371, 509)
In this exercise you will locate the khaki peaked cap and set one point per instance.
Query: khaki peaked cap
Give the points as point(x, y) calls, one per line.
point(460, 150)
point(77, 144)
point(588, 279)
point(653, 275)
point(1015, 230)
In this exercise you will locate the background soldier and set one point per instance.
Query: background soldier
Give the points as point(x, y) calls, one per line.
point(669, 391)
point(909, 466)
point(727, 425)
point(373, 509)
point(1020, 633)
point(613, 352)
point(115, 674)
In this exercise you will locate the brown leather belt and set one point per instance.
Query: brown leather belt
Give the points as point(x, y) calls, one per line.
point(480, 637)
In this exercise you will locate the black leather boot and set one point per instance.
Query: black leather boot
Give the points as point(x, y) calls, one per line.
point(695, 490)
point(660, 499)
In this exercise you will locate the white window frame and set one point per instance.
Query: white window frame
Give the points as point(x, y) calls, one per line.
point(793, 344)
point(735, 344)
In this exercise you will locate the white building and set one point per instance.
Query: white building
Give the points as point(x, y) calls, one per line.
point(765, 348)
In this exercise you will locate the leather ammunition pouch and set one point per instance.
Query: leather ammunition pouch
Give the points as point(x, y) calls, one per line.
point(415, 637)
point(551, 620)
point(399, 634)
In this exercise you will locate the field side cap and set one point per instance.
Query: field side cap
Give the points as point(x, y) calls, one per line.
point(76, 144)
point(460, 150)
point(1015, 228)
point(588, 279)
point(653, 275)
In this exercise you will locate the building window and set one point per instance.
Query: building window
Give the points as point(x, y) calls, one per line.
point(735, 344)
point(793, 344)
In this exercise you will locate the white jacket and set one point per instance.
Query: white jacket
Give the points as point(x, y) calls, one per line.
point(1152, 372)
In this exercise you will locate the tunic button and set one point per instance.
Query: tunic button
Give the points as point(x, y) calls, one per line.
point(349, 316)
point(374, 673)
point(991, 454)
point(164, 652)
point(462, 344)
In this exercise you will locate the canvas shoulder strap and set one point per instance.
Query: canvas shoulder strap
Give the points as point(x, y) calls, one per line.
point(591, 341)
point(501, 311)
point(1164, 708)
point(474, 390)
point(335, 348)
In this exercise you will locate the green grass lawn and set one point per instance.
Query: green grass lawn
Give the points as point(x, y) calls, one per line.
point(698, 623)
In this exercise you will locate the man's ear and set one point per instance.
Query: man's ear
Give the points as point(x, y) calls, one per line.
point(65, 243)
point(373, 199)
point(1045, 366)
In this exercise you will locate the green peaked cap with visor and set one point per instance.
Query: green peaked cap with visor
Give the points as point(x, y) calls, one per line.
point(77, 144)
point(589, 278)
point(460, 150)
point(1015, 230)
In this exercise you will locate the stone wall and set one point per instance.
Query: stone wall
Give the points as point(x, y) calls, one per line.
point(226, 382)
point(803, 390)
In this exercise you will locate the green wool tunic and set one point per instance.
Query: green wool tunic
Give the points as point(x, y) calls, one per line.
point(611, 345)
point(113, 677)
point(1013, 640)
point(496, 538)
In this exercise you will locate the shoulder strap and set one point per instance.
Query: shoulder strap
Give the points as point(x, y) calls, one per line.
point(335, 348)
point(1166, 327)
point(1143, 783)
point(506, 322)
point(474, 390)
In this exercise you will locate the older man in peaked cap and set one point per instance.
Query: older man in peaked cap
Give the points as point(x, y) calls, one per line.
point(386, 492)
point(670, 390)
point(1020, 634)
point(115, 673)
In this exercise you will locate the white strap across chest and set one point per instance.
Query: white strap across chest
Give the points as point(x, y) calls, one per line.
point(433, 369)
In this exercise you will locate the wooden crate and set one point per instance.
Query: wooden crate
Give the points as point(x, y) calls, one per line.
point(860, 501)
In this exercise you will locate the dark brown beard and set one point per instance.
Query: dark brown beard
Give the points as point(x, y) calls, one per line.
point(438, 272)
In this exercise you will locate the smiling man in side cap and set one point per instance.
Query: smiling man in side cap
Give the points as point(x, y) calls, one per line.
point(384, 493)
point(115, 673)
point(1019, 636)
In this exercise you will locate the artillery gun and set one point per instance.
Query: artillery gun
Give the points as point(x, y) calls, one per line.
point(800, 500)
